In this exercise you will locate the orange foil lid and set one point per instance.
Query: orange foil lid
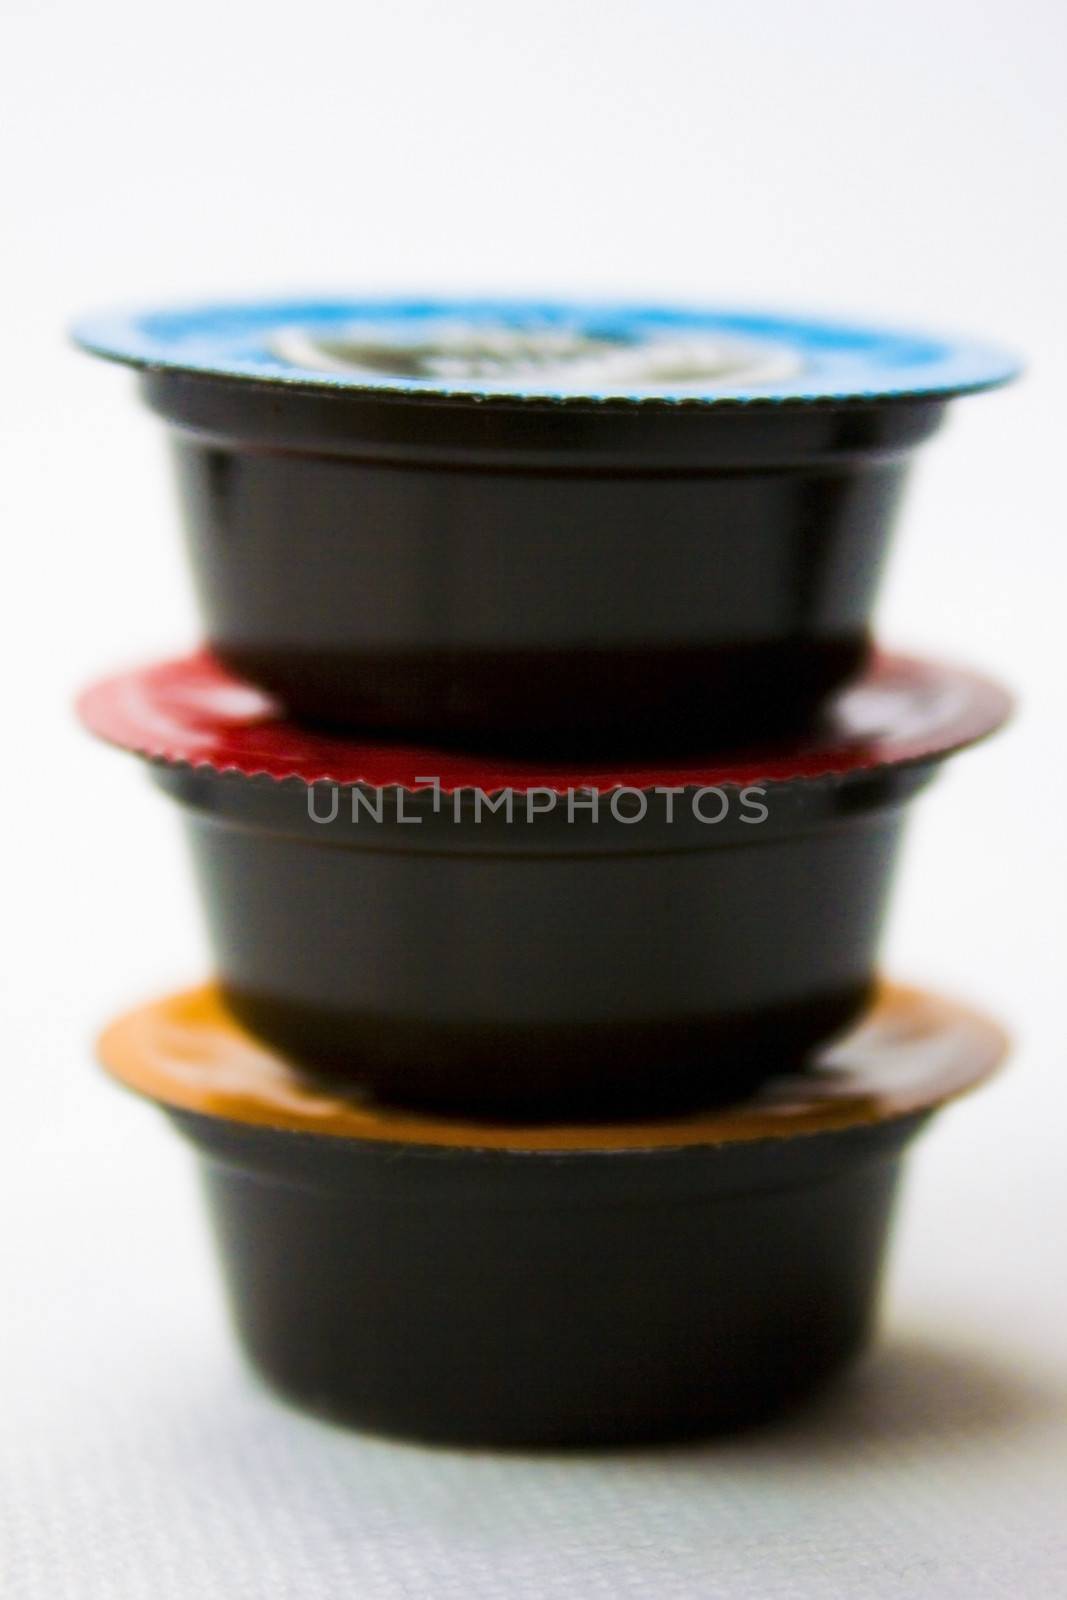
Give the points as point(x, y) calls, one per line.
point(912, 1052)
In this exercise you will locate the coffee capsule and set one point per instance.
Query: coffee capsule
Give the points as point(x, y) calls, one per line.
point(519, 939)
point(540, 527)
point(490, 1284)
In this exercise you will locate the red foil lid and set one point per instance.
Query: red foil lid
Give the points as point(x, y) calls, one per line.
point(194, 712)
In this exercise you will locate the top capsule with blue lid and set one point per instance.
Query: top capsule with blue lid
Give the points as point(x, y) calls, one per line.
point(518, 350)
point(540, 526)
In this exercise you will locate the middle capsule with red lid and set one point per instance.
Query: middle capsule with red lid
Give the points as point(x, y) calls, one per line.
point(510, 938)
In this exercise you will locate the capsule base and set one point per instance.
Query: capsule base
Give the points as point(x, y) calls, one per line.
point(591, 1300)
point(497, 1283)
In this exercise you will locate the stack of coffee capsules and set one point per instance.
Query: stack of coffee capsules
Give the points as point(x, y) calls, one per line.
point(544, 793)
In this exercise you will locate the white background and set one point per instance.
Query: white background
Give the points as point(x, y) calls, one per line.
point(904, 160)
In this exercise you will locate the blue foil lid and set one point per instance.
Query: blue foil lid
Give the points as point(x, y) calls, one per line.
point(561, 352)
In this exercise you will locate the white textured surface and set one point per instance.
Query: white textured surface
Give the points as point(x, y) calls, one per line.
point(904, 160)
point(138, 1457)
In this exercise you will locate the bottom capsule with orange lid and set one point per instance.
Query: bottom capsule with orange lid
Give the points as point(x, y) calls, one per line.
point(490, 1283)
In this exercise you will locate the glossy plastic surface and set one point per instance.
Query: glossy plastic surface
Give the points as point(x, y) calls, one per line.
point(539, 950)
point(544, 968)
point(538, 1300)
point(534, 527)
point(495, 1284)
